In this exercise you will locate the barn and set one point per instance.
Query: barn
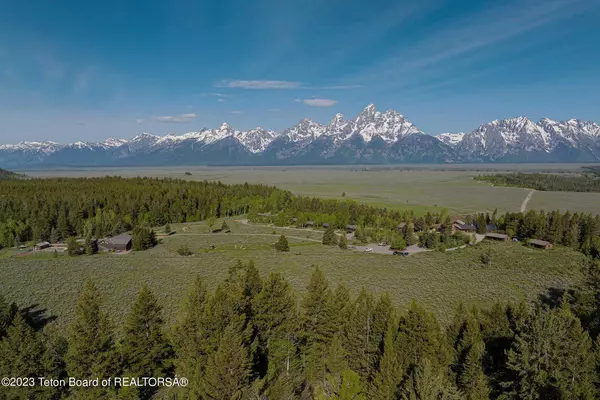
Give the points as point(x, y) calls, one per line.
point(121, 242)
point(540, 244)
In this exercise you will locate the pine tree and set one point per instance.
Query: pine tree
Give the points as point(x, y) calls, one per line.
point(409, 234)
point(91, 246)
point(189, 336)
point(428, 382)
point(382, 318)
point(317, 310)
point(340, 305)
point(252, 282)
point(91, 351)
point(228, 369)
point(275, 310)
point(282, 244)
point(22, 355)
point(329, 237)
point(552, 356)
point(419, 337)
point(143, 238)
point(343, 242)
point(284, 374)
point(274, 317)
point(144, 346)
point(317, 321)
point(62, 226)
point(358, 335)
point(472, 381)
point(340, 383)
point(8, 311)
point(73, 247)
point(387, 379)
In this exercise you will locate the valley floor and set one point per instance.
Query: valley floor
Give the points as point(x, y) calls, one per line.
point(420, 188)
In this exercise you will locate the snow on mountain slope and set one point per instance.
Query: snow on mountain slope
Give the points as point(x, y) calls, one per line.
point(389, 126)
point(451, 139)
point(305, 130)
point(371, 137)
point(256, 140)
point(42, 147)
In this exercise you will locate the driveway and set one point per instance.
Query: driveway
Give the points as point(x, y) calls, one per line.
point(386, 249)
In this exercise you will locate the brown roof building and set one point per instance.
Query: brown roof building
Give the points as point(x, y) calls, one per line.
point(540, 244)
point(496, 236)
point(121, 242)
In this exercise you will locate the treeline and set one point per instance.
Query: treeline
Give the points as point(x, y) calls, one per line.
point(252, 339)
point(56, 209)
point(6, 175)
point(593, 170)
point(545, 182)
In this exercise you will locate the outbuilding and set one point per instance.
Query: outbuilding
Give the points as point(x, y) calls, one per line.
point(496, 236)
point(326, 225)
point(540, 244)
point(121, 242)
point(350, 228)
point(42, 245)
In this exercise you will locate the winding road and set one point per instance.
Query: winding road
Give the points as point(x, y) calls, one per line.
point(526, 201)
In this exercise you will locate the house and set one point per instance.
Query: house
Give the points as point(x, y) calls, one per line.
point(294, 220)
point(496, 236)
point(466, 227)
point(459, 222)
point(42, 245)
point(309, 224)
point(326, 225)
point(491, 228)
point(540, 244)
point(121, 242)
point(401, 226)
point(350, 228)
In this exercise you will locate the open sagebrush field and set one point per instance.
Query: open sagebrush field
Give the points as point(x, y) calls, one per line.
point(438, 280)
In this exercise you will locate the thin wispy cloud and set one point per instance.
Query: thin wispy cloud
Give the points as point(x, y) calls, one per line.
point(273, 109)
point(342, 87)
point(183, 118)
point(240, 84)
point(220, 100)
point(317, 102)
point(140, 121)
point(236, 112)
point(474, 33)
point(215, 94)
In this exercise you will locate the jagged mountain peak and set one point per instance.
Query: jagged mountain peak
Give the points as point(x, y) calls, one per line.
point(370, 137)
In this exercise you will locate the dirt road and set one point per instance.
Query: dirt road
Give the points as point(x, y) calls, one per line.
point(526, 201)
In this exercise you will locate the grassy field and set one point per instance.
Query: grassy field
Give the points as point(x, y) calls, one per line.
point(420, 188)
point(438, 280)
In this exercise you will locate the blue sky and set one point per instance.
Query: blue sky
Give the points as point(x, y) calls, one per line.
point(87, 70)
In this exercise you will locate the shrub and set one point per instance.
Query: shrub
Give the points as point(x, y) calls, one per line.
point(282, 244)
point(184, 251)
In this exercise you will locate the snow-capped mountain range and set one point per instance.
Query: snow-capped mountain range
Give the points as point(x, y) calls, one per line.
point(372, 137)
